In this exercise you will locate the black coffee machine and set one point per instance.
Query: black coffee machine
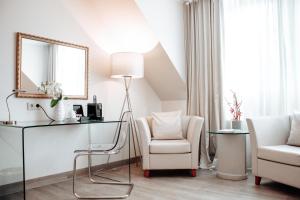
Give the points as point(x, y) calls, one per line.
point(94, 110)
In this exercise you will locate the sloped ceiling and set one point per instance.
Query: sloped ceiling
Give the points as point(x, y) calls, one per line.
point(165, 18)
point(115, 25)
point(120, 25)
point(163, 76)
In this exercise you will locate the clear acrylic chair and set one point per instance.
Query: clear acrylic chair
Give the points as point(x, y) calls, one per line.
point(123, 135)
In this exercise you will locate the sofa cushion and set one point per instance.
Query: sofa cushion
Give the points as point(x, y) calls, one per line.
point(281, 153)
point(294, 138)
point(170, 146)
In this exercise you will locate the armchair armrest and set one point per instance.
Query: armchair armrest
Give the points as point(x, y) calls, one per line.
point(193, 136)
point(145, 135)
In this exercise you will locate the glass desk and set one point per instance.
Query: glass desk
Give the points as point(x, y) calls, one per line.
point(13, 179)
point(231, 154)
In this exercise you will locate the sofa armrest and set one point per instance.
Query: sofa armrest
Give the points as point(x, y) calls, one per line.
point(193, 136)
point(145, 135)
point(267, 131)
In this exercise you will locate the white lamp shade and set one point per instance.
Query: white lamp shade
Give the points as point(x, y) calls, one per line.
point(127, 64)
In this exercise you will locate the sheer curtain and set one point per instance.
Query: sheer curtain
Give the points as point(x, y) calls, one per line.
point(261, 54)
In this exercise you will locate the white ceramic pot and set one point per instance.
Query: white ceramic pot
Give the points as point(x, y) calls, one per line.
point(59, 111)
point(236, 124)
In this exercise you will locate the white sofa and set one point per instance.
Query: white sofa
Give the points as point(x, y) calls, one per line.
point(271, 157)
point(171, 154)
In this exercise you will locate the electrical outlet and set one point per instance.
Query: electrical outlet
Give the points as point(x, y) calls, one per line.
point(32, 106)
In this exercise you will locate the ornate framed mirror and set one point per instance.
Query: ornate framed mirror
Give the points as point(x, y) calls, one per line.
point(41, 62)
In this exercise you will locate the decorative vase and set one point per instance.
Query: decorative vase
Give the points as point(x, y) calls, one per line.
point(236, 124)
point(59, 111)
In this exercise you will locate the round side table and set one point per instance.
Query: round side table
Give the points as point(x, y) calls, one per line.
point(231, 152)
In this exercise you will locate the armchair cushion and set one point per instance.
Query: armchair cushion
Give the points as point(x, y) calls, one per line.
point(281, 153)
point(170, 146)
point(167, 125)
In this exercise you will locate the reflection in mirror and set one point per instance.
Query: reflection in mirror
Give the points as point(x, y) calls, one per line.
point(42, 62)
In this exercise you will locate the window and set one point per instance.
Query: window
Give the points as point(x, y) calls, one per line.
point(261, 54)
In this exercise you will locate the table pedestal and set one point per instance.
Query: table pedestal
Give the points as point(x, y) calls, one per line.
point(231, 152)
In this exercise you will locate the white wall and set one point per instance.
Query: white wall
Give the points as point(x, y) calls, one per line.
point(165, 17)
point(174, 105)
point(50, 150)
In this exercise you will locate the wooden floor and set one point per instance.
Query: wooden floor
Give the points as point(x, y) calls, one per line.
point(171, 185)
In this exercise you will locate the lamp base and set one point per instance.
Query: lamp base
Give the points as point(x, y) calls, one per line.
point(8, 122)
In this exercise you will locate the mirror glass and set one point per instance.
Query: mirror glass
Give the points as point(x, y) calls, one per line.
point(42, 62)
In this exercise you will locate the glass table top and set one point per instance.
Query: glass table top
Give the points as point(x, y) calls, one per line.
point(32, 124)
point(229, 132)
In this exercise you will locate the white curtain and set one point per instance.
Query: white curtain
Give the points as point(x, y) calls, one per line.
point(261, 54)
point(203, 70)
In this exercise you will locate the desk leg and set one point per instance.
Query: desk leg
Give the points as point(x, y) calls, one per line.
point(129, 157)
point(89, 156)
point(23, 155)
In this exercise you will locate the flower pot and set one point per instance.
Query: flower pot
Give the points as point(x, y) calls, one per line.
point(236, 124)
point(59, 111)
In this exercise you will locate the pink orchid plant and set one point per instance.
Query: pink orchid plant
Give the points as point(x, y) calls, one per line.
point(235, 107)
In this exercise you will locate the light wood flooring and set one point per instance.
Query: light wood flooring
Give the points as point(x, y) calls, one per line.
point(169, 186)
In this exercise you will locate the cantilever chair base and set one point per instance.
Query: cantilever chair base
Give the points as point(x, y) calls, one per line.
point(93, 181)
point(78, 196)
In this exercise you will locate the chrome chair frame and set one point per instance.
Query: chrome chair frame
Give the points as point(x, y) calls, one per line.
point(115, 149)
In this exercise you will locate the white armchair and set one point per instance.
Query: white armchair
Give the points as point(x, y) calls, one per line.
point(271, 157)
point(171, 154)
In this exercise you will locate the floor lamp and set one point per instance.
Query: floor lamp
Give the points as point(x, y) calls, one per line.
point(128, 66)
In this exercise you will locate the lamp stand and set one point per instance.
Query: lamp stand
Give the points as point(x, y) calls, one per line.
point(132, 123)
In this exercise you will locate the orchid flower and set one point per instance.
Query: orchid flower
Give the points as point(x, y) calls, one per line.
point(234, 107)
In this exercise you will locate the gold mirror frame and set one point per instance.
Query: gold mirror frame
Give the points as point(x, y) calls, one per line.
point(20, 36)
